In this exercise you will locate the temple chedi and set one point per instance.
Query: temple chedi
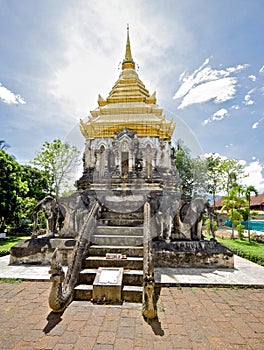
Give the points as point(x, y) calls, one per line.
point(128, 157)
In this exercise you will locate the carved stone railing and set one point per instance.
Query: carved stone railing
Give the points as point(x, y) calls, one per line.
point(149, 308)
point(62, 290)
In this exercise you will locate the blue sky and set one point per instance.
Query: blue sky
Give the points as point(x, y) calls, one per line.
point(205, 59)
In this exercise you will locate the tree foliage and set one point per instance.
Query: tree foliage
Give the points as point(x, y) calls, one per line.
point(184, 169)
point(232, 172)
point(21, 187)
point(191, 172)
point(236, 207)
point(206, 175)
point(248, 190)
point(3, 145)
point(214, 174)
point(59, 160)
point(11, 188)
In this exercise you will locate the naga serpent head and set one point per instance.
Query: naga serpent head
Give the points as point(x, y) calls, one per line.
point(149, 309)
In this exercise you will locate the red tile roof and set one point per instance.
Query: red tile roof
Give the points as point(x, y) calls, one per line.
point(218, 202)
point(254, 201)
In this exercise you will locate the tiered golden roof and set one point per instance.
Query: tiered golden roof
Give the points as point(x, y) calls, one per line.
point(129, 105)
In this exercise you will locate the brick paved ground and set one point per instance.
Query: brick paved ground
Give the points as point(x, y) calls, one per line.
point(189, 318)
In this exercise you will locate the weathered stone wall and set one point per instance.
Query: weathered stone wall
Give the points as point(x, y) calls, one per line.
point(39, 251)
point(195, 254)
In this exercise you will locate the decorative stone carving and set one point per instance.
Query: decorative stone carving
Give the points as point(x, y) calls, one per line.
point(54, 214)
point(190, 215)
point(61, 292)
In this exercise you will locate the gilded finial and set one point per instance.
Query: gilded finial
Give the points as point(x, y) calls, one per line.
point(128, 60)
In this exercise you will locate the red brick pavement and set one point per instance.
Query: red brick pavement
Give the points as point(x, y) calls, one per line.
point(189, 318)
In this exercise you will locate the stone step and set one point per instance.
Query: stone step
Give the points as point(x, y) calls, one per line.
point(118, 230)
point(130, 277)
point(83, 292)
point(121, 222)
point(135, 263)
point(114, 215)
point(86, 276)
point(99, 250)
point(132, 294)
point(117, 240)
point(133, 277)
point(129, 293)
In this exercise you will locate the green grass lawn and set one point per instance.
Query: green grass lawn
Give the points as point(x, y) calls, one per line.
point(6, 244)
point(253, 251)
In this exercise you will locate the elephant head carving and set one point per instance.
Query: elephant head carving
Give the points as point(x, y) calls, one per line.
point(54, 214)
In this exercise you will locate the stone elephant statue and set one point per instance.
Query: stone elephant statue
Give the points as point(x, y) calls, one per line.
point(168, 208)
point(54, 213)
point(191, 216)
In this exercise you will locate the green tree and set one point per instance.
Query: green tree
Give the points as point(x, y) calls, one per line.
point(58, 159)
point(184, 169)
point(248, 191)
point(214, 174)
point(21, 187)
point(37, 183)
point(232, 172)
point(191, 172)
point(12, 189)
point(235, 206)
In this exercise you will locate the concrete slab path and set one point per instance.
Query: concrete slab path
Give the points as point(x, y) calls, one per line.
point(245, 273)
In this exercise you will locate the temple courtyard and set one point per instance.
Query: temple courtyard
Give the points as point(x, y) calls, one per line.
point(194, 312)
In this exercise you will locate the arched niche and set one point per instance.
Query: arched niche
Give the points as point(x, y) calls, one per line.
point(124, 158)
point(102, 160)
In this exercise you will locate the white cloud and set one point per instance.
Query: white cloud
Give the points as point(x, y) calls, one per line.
point(9, 97)
point(252, 77)
point(261, 71)
point(255, 176)
point(206, 83)
point(256, 124)
point(219, 115)
point(248, 100)
point(229, 145)
point(219, 90)
point(236, 107)
point(237, 68)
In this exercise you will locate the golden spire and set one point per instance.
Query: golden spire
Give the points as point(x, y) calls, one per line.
point(128, 60)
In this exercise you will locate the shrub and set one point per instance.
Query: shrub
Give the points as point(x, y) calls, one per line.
point(207, 226)
point(240, 230)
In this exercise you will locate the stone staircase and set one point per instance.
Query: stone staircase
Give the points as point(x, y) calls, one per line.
point(112, 238)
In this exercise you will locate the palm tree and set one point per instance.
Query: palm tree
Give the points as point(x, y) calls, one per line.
point(3, 145)
point(248, 192)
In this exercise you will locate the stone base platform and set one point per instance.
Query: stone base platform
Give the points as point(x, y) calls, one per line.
point(193, 254)
point(39, 250)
